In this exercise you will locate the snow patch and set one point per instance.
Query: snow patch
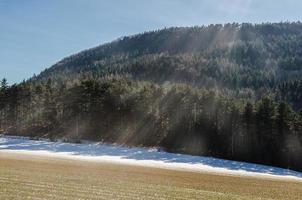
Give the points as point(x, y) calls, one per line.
point(152, 157)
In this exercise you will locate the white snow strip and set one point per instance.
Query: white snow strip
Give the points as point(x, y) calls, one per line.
point(98, 152)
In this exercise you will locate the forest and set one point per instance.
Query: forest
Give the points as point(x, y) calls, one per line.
point(231, 91)
point(175, 117)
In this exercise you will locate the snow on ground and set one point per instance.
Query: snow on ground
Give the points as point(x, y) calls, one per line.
point(98, 152)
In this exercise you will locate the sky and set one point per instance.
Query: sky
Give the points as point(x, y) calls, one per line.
point(35, 34)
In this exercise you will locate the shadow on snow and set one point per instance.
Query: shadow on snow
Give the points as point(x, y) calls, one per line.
point(97, 149)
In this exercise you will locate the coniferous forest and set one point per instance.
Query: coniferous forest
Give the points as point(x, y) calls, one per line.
point(231, 91)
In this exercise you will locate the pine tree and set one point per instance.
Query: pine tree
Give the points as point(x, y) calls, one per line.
point(3, 103)
point(248, 119)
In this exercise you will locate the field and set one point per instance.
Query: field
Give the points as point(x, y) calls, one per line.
point(34, 177)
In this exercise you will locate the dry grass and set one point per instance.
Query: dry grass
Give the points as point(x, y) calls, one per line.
point(28, 177)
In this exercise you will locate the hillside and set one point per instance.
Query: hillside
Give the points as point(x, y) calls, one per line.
point(230, 91)
point(240, 60)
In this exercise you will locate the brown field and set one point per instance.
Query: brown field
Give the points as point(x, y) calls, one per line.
point(32, 177)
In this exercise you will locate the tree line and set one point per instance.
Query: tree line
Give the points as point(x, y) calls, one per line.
point(175, 117)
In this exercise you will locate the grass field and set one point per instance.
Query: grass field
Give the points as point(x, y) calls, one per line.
point(32, 177)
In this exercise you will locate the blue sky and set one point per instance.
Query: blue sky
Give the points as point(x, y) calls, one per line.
point(34, 34)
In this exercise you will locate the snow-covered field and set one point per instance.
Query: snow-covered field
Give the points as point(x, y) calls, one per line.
point(98, 152)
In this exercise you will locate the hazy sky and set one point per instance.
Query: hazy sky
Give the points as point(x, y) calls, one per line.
point(34, 34)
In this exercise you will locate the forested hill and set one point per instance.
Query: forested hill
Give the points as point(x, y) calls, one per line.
point(232, 91)
point(239, 60)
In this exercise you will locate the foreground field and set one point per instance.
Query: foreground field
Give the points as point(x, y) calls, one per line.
point(33, 177)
